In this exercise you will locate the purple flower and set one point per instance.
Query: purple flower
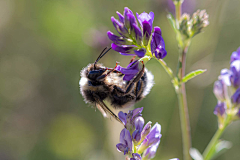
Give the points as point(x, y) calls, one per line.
point(235, 73)
point(125, 144)
point(131, 120)
point(146, 22)
point(236, 97)
point(127, 27)
point(220, 90)
point(139, 122)
point(152, 138)
point(137, 112)
point(151, 151)
point(123, 48)
point(225, 76)
point(129, 18)
point(235, 55)
point(136, 156)
point(134, 123)
point(123, 117)
point(120, 28)
point(220, 109)
point(232, 77)
point(117, 40)
point(146, 129)
point(157, 44)
point(131, 70)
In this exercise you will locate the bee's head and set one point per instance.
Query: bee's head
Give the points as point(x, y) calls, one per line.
point(94, 74)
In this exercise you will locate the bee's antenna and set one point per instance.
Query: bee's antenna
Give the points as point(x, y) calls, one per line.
point(101, 55)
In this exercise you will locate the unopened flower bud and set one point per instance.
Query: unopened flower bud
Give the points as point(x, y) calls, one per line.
point(199, 21)
point(185, 26)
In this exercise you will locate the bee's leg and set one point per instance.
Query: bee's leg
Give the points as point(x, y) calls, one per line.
point(105, 75)
point(102, 107)
point(139, 88)
point(124, 91)
point(129, 87)
point(132, 59)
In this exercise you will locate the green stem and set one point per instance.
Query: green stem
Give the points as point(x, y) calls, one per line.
point(167, 69)
point(183, 108)
point(209, 151)
point(211, 146)
point(185, 125)
point(181, 90)
point(178, 7)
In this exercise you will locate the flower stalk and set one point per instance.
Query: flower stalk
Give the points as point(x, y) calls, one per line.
point(181, 91)
point(183, 108)
point(210, 149)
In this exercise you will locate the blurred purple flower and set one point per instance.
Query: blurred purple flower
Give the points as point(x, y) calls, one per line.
point(236, 97)
point(220, 109)
point(235, 55)
point(97, 38)
point(131, 70)
point(125, 144)
point(157, 44)
point(220, 90)
point(136, 156)
point(235, 73)
point(232, 77)
point(188, 6)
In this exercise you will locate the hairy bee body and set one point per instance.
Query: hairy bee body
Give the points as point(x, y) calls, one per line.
point(99, 84)
point(107, 88)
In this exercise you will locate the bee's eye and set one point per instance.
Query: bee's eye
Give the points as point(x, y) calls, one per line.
point(93, 75)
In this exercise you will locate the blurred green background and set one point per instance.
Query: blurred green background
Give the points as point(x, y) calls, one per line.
point(45, 43)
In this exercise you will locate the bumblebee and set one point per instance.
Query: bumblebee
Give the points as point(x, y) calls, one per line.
point(99, 83)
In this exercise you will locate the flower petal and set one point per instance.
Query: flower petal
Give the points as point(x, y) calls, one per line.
point(120, 27)
point(123, 48)
point(121, 18)
point(220, 108)
point(140, 52)
point(122, 117)
point(116, 39)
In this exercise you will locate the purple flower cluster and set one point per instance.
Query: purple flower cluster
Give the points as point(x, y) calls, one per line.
point(134, 40)
point(136, 140)
point(227, 88)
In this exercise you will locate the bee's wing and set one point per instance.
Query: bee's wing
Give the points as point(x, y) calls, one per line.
point(102, 107)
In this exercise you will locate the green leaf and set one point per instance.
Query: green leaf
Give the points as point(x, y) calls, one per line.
point(172, 21)
point(220, 148)
point(192, 75)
